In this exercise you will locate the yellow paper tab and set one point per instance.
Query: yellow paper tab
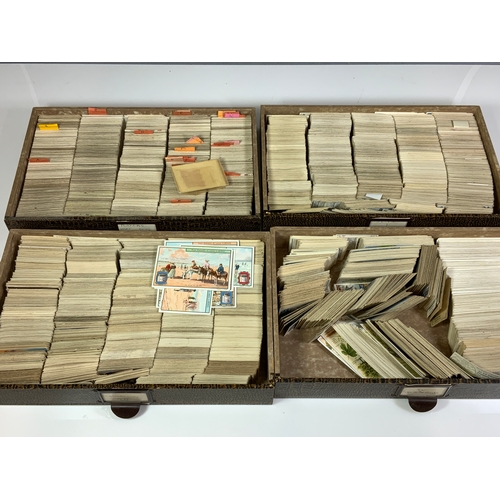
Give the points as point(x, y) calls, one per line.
point(48, 126)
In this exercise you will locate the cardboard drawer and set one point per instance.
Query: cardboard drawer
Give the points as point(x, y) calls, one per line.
point(280, 218)
point(41, 220)
point(259, 391)
point(308, 370)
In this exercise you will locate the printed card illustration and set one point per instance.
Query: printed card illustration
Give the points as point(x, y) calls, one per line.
point(193, 267)
point(243, 266)
point(224, 298)
point(186, 300)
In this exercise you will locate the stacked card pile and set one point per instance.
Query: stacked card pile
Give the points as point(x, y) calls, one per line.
point(357, 322)
point(421, 351)
point(330, 158)
point(388, 349)
point(293, 277)
point(470, 185)
point(40, 262)
point(231, 144)
point(367, 352)
point(473, 265)
point(287, 174)
point(95, 165)
point(422, 164)
point(237, 338)
point(387, 294)
point(381, 259)
point(27, 320)
point(429, 290)
point(304, 277)
point(375, 156)
point(182, 349)
point(212, 352)
point(141, 165)
point(82, 312)
point(134, 323)
point(188, 141)
point(49, 166)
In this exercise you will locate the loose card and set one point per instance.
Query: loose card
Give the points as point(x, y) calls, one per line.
point(224, 298)
point(186, 300)
point(243, 267)
point(193, 267)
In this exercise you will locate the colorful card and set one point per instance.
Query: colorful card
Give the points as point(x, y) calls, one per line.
point(186, 300)
point(206, 267)
point(224, 298)
point(243, 267)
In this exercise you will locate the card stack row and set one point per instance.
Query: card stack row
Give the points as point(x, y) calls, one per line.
point(473, 264)
point(95, 165)
point(134, 324)
point(27, 319)
point(288, 181)
point(231, 144)
point(140, 176)
point(423, 169)
point(330, 158)
point(82, 311)
point(188, 141)
point(50, 162)
point(375, 156)
point(470, 185)
point(237, 341)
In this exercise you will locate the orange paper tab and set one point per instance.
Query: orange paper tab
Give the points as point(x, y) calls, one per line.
point(182, 112)
point(97, 111)
point(140, 131)
point(181, 201)
point(39, 160)
point(180, 159)
point(221, 144)
point(186, 148)
point(195, 140)
point(48, 126)
point(220, 114)
point(232, 174)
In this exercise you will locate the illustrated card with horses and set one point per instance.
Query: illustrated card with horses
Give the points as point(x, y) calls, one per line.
point(243, 262)
point(209, 267)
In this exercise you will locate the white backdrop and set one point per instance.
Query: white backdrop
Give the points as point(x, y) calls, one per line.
point(23, 86)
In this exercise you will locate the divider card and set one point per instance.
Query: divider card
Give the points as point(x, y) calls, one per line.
point(193, 267)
